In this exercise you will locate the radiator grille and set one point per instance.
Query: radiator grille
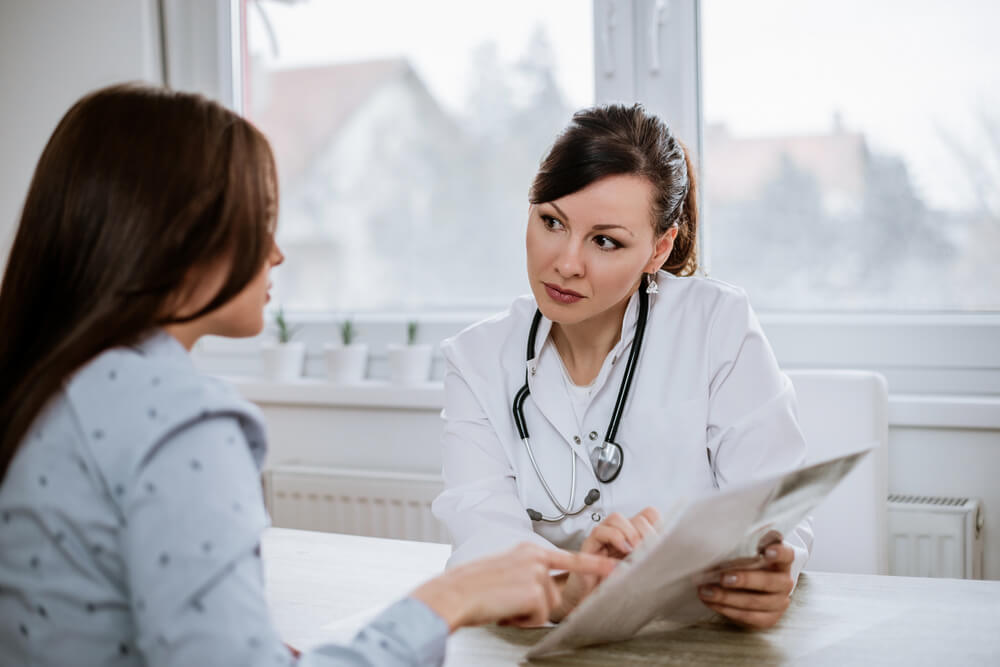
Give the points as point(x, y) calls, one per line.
point(928, 500)
point(355, 502)
point(934, 536)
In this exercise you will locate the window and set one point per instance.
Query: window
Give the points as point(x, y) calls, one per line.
point(870, 267)
point(852, 153)
point(406, 136)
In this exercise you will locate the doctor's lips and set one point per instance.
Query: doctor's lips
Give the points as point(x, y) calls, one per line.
point(561, 294)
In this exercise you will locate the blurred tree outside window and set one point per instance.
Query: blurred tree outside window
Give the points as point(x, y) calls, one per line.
point(852, 153)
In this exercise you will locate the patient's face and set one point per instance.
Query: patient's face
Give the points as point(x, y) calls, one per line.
point(587, 251)
point(243, 315)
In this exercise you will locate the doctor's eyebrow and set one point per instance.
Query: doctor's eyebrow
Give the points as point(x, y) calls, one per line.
point(595, 228)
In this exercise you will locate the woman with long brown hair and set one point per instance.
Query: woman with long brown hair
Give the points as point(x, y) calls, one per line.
point(624, 382)
point(130, 499)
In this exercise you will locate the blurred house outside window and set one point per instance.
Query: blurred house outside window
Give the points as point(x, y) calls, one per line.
point(406, 136)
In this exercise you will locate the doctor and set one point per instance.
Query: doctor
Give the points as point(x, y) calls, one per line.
point(623, 382)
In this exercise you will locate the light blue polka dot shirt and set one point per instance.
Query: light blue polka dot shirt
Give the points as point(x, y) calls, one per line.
point(131, 519)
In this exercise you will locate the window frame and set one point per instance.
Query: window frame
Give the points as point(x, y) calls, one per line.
point(919, 353)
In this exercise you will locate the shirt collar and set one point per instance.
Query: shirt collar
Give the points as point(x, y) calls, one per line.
point(158, 343)
point(624, 339)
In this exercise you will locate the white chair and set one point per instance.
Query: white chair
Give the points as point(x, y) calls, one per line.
point(840, 411)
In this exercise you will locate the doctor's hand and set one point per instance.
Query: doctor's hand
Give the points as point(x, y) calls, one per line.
point(616, 537)
point(754, 598)
point(513, 588)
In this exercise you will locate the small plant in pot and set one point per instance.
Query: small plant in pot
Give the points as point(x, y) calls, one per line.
point(410, 363)
point(347, 360)
point(282, 359)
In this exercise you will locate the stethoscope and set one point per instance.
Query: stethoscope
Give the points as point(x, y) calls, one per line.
point(606, 459)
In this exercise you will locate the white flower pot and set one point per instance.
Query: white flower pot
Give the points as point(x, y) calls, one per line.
point(282, 362)
point(346, 364)
point(409, 364)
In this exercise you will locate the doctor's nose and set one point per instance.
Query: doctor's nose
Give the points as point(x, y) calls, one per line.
point(569, 263)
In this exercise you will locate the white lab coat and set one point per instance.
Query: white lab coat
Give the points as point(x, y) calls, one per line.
point(707, 394)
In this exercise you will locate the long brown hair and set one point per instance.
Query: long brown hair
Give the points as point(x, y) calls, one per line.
point(616, 139)
point(137, 188)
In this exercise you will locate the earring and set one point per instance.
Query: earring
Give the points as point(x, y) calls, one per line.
point(651, 286)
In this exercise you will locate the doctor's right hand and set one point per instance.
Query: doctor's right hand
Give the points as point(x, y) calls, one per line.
point(614, 537)
point(513, 588)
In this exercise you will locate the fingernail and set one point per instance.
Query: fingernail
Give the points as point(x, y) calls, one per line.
point(730, 579)
point(771, 553)
point(707, 592)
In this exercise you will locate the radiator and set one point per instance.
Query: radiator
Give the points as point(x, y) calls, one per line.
point(935, 537)
point(356, 502)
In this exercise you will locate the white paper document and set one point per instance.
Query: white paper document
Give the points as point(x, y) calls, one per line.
point(659, 580)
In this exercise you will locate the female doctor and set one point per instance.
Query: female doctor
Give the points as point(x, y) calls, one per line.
point(623, 382)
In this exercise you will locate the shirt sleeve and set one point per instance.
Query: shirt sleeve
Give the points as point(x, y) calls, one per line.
point(753, 429)
point(191, 546)
point(479, 504)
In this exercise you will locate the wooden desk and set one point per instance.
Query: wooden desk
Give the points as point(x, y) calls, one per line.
point(835, 619)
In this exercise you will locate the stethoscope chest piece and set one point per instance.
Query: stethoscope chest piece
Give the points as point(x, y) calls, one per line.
point(607, 461)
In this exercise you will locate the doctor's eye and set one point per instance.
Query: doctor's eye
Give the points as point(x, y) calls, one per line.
point(551, 223)
point(606, 242)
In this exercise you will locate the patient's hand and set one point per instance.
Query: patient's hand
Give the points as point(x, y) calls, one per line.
point(757, 597)
point(512, 588)
point(616, 537)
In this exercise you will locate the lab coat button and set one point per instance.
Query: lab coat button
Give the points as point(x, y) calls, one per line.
point(592, 435)
point(596, 516)
point(576, 439)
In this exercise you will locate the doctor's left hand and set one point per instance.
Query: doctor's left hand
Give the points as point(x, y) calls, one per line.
point(754, 598)
point(615, 537)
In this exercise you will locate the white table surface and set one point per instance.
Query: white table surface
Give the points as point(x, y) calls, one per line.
point(319, 579)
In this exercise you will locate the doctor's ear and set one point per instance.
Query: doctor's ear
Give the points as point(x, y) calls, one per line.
point(661, 250)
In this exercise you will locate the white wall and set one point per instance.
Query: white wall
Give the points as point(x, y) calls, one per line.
point(51, 53)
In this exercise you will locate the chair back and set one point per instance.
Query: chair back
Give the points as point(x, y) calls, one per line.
point(841, 410)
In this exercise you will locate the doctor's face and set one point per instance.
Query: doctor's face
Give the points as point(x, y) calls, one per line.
point(587, 251)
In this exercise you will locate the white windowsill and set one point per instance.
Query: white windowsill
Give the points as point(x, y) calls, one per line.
point(907, 410)
point(974, 412)
point(317, 392)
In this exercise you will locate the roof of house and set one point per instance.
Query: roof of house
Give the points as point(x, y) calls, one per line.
point(301, 109)
point(740, 167)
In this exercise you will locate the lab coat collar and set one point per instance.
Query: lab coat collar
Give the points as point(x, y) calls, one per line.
point(546, 382)
point(624, 338)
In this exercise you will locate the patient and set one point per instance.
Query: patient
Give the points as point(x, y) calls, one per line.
point(129, 485)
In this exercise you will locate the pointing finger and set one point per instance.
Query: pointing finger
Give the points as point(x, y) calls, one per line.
point(577, 562)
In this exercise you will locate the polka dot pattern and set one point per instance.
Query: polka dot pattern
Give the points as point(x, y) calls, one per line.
point(135, 445)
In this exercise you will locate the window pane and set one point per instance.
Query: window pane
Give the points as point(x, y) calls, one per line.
point(406, 135)
point(852, 152)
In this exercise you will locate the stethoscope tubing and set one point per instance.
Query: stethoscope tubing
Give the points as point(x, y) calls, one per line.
point(522, 427)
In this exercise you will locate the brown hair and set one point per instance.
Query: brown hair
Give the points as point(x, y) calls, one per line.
point(616, 139)
point(136, 187)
